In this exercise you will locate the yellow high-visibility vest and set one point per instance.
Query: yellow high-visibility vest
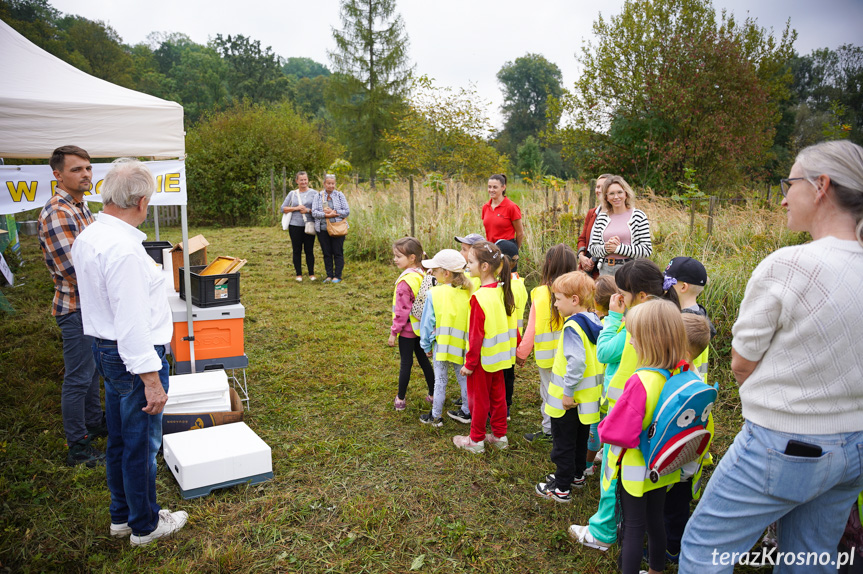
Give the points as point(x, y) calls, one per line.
point(477, 282)
point(498, 345)
point(519, 292)
point(588, 390)
point(632, 471)
point(699, 364)
point(546, 331)
point(451, 309)
point(414, 280)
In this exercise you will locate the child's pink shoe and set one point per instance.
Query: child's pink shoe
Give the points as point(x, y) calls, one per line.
point(465, 443)
point(500, 443)
point(429, 398)
point(400, 404)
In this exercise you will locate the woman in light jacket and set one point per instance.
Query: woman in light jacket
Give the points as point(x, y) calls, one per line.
point(331, 205)
point(620, 233)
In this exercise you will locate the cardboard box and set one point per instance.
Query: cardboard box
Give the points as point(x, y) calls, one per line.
point(197, 256)
point(217, 457)
point(190, 421)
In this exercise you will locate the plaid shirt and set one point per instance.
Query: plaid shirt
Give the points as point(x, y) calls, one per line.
point(337, 201)
point(60, 222)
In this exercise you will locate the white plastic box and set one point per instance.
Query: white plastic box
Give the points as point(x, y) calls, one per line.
point(217, 457)
point(205, 392)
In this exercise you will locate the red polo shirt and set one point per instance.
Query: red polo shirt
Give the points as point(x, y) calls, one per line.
point(498, 221)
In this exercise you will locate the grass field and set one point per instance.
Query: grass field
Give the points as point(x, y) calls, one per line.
point(358, 487)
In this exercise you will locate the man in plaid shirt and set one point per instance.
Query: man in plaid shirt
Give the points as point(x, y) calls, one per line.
point(62, 219)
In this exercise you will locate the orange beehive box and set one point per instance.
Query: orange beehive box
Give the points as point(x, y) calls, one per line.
point(218, 331)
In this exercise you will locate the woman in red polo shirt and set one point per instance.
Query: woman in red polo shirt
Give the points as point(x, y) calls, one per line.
point(500, 216)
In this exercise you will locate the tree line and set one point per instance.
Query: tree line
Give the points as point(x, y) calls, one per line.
point(671, 94)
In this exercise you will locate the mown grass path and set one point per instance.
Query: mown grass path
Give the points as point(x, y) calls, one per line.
point(358, 487)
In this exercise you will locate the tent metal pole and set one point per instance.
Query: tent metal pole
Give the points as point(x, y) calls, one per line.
point(187, 278)
point(156, 220)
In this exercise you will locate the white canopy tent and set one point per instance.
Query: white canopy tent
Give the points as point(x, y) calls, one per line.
point(46, 103)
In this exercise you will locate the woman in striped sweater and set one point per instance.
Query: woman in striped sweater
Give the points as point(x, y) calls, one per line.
point(620, 233)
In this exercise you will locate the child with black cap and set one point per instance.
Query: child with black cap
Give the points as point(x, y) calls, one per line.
point(688, 277)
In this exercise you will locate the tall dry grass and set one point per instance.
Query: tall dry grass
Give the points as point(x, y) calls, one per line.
point(743, 233)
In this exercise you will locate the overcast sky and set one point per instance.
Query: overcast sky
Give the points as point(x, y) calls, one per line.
point(454, 41)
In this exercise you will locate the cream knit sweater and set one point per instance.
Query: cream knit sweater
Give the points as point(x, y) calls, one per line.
point(802, 320)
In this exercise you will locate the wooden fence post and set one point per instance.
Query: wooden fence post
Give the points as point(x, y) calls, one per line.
point(413, 226)
point(591, 200)
point(554, 206)
point(566, 197)
point(710, 210)
point(273, 192)
point(691, 215)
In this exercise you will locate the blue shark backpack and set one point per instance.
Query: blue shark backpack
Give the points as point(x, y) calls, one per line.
point(678, 433)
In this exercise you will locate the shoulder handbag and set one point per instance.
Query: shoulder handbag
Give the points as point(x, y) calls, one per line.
point(310, 224)
point(286, 217)
point(337, 228)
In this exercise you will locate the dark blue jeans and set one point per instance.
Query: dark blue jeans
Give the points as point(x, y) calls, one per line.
point(134, 438)
point(80, 401)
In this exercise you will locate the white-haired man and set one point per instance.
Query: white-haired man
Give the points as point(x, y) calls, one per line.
point(125, 308)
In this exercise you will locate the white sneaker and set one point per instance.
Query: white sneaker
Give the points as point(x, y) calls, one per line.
point(582, 535)
point(120, 530)
point(299, 278)
point(169, 524)
point(500, 443)
point(463, 441)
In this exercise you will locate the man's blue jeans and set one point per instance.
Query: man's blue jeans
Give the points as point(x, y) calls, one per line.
point(134, 438)
point(80, 401)
point(756, 484)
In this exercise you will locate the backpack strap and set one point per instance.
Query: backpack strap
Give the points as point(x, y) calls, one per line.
point(663, 372)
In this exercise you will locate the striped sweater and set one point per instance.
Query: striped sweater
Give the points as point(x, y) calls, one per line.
point(639, 227)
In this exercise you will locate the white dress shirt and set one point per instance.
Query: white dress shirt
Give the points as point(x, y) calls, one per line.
point(124, 296)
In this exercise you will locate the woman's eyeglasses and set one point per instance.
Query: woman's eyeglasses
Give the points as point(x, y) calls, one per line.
point(785, 184)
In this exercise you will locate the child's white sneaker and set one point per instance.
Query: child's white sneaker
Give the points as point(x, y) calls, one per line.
point(500, 443)
point(582, 535)
point(464, 442)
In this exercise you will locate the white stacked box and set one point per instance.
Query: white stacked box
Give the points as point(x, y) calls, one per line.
point(206, 392)
point(217, 457)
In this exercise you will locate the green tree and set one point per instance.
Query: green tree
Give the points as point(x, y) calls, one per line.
point(444, 131)
point(668, 85)
point(97, 49)
point(230, 154)
point(36, 20)
point(530, 163)
point(828, 86)
point(304, 68)
point(371, 73)
point(253, 73)
point(527, 84)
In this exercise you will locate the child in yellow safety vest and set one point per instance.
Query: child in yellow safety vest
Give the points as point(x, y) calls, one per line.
point(407, 254)
point(443, 328)
point(575, 388)
point(659, 339)
point(543, 328)
point(637, 281)
point(491, 347)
